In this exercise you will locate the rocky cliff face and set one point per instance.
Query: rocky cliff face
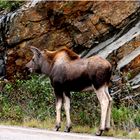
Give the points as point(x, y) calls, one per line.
point(108, 28)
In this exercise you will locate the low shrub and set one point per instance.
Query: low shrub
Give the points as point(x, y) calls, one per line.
point(10, 5)
point(34, 97)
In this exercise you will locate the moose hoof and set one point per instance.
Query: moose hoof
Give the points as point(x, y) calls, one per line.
point(67, 129)
point(99, 133)
point(56, 128)
point(107, 129)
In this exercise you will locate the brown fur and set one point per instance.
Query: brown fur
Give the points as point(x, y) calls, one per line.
point(68, 72)
point(52, 55)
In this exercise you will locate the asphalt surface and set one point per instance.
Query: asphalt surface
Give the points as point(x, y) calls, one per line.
point(22, 133)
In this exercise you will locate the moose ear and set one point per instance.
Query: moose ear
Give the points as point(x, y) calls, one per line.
point(35, 50)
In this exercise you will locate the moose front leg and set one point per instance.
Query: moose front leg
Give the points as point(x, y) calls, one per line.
point(58, 113)
point(67, 110)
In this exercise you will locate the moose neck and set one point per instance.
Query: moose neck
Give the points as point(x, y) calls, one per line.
point(51, 60)
point(45, 67)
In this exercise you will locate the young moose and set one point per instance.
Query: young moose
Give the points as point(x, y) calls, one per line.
point(68, 72)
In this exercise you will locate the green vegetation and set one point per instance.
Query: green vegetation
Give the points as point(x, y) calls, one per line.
point(32, 103)
point(32, 98)
point(10, 5)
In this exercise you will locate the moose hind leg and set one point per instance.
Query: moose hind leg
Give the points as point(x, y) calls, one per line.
point(104, 102)
point(58, 113)
point(67, 110)
point(108, 117)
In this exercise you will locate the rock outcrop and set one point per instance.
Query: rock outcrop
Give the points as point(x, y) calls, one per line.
point(108, 28)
